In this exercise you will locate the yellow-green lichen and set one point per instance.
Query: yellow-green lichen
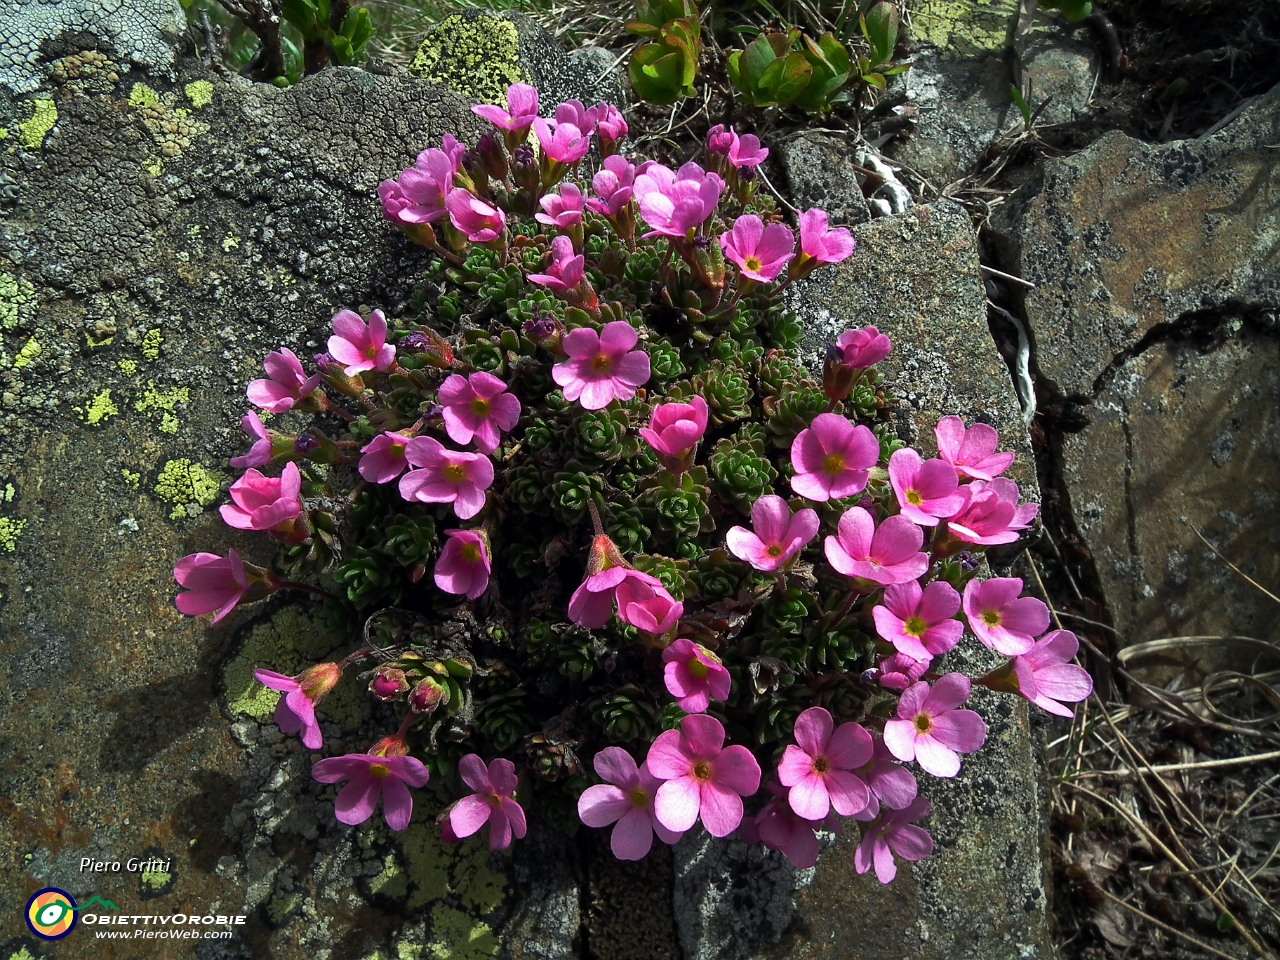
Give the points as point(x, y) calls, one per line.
point(94, 344)
point(10, 531)
point(155, 880)
point(100, 408)
point(478, 56)
point(230, 242)
point(391, 882)
point(200, 93)
point(456, 936)
point(30, 350)
point(163, 402)
point(458, 872)
point(153, 167)
point(288, 643)
point(143, 96)
point(151, 345)
point(131, 478)
point(9, 493)
point(15, 294)
point(280, 907)
point(169, 424)
point(31, 133)
point(188, 486)
point(128, 367)
point(964, 28)
point(22, 954)
point(4, 133)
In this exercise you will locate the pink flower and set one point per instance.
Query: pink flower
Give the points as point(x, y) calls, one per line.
point(601, 367)
point(611, 126)
point(890, 554)
point(384, 458)
point(287, 383)
point(562, 142)
point(478, 408)
point(891, 783)
point(418, 195)
point(263, 448)
point(1045, 675)
point(926, 490)
point(818, 767)
point(761, 252)
point(212, 583)
point(832, 458)
point(894, 833)
point(820, 243)
point(565, 272)
point(745, 151)
point(563, 209)
point(930, 730)
point(778, 535)
point(373, 777)
point(264, 503)
point(990, 513)
point(626, 797)
point(463, 566)
point(522, 109)
point(694, 676)
point(302, 694)
point(920, 623)
point(720, 141)
point(613, 185)
point(591, 605)
point(470, 215)
point(1000, 618)
point(972, 452)
point(673, 203)
point(900, 671)
point(446, 476)
point(703, 777)
point(491, 803)
point(675, 427)
point(573, 112)
point(862, 349)
point(359, 347)
point(644, 603)
point(778, 827)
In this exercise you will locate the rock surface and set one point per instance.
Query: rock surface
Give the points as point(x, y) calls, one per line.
point(1158, 284)
point(819, 175)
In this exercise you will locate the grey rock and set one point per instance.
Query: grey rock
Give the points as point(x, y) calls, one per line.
point(145, 33)
point(916, 278)
point(1125, 238)
point(819, 175)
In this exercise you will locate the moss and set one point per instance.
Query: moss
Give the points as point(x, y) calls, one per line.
point(22, 954)
point(131, 478)
point(151, 345)
point(200, 93)
point(30, 350)
point(128, 367)
point(31, 133)
point(15, 294)
point(188, 486)
point(10, 531)
point(280, 907)
point(477, 56)
point(143, 96)
point(101, 408)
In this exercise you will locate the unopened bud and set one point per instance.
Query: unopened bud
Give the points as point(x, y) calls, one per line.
point(493, 156)
point(708, 261)
point(392, 746)
point(524, 169)
point(434, 348)
point(317, 681)
point(304, 443)
point(837, 377)
point(428, 696)
point(389, 683)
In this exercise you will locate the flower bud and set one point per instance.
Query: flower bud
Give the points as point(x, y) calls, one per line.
point(434, 348)
point(708, 262)
point(837, 376)
point(304, 443)
point(332, 373)
point(428, 696)
point(392, 746)
point(1002, 679)
point(474, 164)
point(547, 332)
point(317, 681)
point(389, 683)
point(493, 156)
point(525, 169)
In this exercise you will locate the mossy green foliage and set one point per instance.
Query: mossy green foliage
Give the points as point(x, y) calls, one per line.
point(184, 484)
point(477, 56)
point(31, 132)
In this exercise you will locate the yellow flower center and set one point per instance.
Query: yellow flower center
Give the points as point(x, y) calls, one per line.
point(480, 407)
point(991, 618)
point(379, 771)
point(370, 351)
point(697, 669)
point(455, 472)
point(471, 552)
point(751, 264)
point(821, 764)
point(914, 498)
point(602, 363)
point(638, 797)
point(915, 626)
point(395, 450)
point(923, 723)
point(774, 550)
point(833, 464)
point(702, 770)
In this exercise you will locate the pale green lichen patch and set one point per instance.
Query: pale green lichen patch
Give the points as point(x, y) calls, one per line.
point(151, 341)
point(153, 881)
point(289, 642)
point(15, 295)
point(31, 133)
point(153, 167)
point(188, 486)
point(100, 408)
point(964, 28)
point(477, 56)
point(200, 93)
point(30, 350)
point(131, 478)
point(93, 344)
point(456, 936)
point(143, 96)
point(128, 367)
point(22, 954)
point(163, 402)
point(9, 493)
point(10, 531)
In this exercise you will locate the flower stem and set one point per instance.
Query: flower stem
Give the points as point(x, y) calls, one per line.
point(306, 587)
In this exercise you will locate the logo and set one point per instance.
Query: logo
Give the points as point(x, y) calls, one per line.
point(51, 913)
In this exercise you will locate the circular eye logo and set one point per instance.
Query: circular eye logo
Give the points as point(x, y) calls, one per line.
point(51, 913)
